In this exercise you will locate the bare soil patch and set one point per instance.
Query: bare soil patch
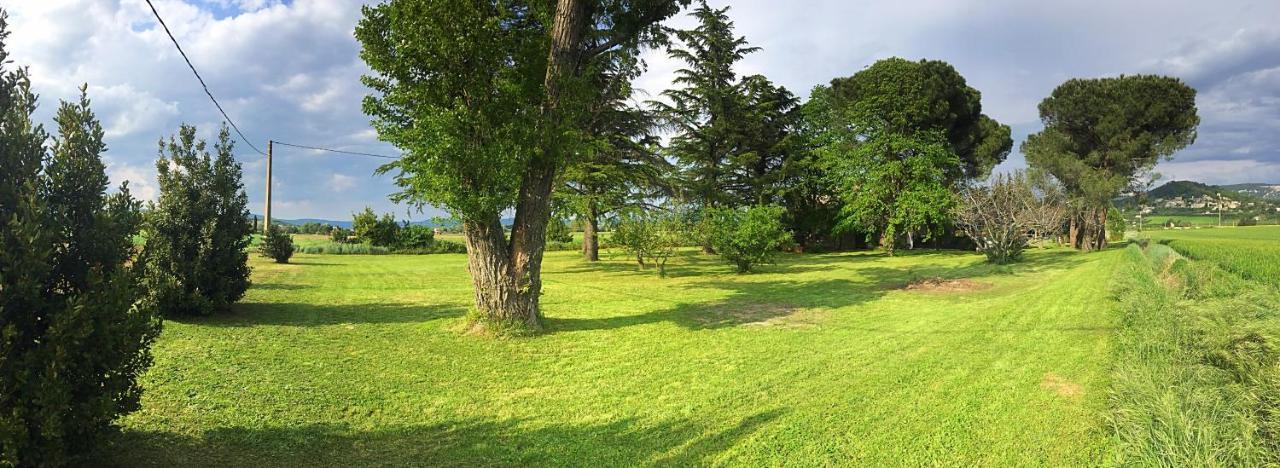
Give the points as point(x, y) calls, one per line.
point(942, 285)
point(757, 314)
point(1060, 385)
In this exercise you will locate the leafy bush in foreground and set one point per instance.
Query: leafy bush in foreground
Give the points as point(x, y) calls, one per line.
point(73, 335)
point(651, 236)
point(746, 238)
point(276, 245)
point(198, 232)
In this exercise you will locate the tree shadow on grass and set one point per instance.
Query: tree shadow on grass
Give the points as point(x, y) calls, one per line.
point(765, 300)
point(314, 315)
point(474, 442)
point(747, 302)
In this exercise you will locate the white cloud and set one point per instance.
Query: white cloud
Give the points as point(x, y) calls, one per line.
point(341, 182)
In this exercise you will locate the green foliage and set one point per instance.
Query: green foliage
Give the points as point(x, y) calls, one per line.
point(380, 232)
point(74, 336)
point(651, 236)
point(1116, 224)
point(196, 256)
point(415, 236)
point(437, 246)
point(276, 245)
point(898, 96)
point(339, 234)
point(558, 231)
point(747, 237)
point(1101, 134)
point(894, 184)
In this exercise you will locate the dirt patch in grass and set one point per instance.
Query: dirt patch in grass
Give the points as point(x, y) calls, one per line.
point(942, 285)
point(795, 318)
point(756, 314)
point(1061, 386)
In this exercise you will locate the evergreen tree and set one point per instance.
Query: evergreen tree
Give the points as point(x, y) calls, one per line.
point(707, 111)
point(763, 143)
point(1100, 135)
point(75, 334)
point(905, 136)
point(198, 232)
point(619, 165)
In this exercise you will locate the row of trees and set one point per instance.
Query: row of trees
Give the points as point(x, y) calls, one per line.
point(527, 108)
point(79, 304)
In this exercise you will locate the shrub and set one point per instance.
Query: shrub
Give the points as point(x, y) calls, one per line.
point(747, 237)
point(338, 234)
point(198, 232)
point(558, 231)
point(276, 245)
point(380, 232)
point(1247, 221)
point(651, 236)
point(415, 237)
point(1001, 218)
point(74, 335)
point(1116, 224)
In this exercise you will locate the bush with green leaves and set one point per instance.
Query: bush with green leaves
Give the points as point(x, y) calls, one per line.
point(1116, 224)
point(558, 231)
point(415, 236)
point(74, 334)
point(199, 230)
point(746, 237)
point(340, 234)
point(651, 236)
point(276, 245)
point(380, 232)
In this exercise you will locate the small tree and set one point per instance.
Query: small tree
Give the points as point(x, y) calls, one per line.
point(1116, 224)
point(276, 245)
point(382, 232)
point(339, 234)
point(198, 232)
point(1000, 218)
point(651, 236)
point(747, 237)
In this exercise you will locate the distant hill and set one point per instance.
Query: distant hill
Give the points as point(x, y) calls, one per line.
point(1185, 189)
point(1263, 191)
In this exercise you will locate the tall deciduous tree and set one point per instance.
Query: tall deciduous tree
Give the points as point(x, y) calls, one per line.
point(1100, 134)
point(906, 135)
point(488, 102)
point(73, 335)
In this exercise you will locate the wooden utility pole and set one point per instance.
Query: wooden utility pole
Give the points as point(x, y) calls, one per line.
point(266, 224)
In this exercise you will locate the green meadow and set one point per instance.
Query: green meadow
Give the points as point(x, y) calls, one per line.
point(925, 358)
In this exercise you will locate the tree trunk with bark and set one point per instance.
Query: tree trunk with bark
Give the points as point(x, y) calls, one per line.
point(508, 279)
point(590, 233)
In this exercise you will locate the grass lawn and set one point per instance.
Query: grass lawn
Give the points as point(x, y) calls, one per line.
point(821, 359)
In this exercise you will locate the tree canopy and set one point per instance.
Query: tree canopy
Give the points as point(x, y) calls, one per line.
point(1100, 134)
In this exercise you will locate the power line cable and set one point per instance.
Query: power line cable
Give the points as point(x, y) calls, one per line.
point(355, 153)
point(202, 83)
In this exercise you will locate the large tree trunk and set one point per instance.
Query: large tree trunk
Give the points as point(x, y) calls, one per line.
point(499, 297)
point(508, 281)
point(590, 233)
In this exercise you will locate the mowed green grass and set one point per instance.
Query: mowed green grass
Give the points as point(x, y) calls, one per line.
point(1252, 252)
point(819, 360)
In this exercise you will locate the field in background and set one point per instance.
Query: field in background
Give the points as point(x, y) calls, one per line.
point(1252, 252)
point(822, 359)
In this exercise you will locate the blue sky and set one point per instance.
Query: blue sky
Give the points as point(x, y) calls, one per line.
point(289, 71)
